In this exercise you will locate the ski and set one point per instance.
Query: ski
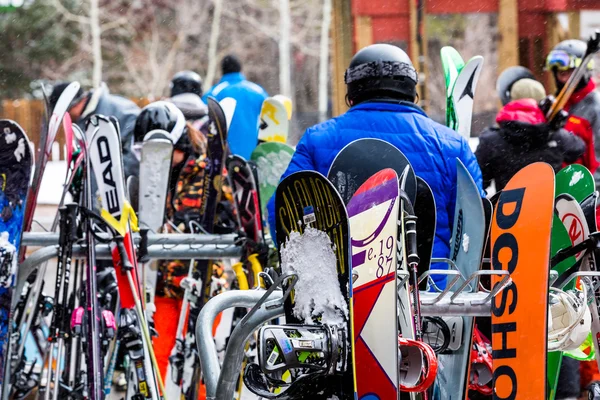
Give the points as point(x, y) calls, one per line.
point(105, 157)
point(45, 148)
point(184, 355)
point(452, 64)
point(463, 94)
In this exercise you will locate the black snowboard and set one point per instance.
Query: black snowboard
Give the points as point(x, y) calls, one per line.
point(426, 214)
point(361, 159)
point(307, 198)
point(245, 194)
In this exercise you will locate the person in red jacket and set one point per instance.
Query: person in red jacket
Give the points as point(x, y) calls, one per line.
point(584, 120)
point(584, 105)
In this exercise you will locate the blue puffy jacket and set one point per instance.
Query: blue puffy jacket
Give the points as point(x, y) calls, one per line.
point(430, 147)
point(243, 132)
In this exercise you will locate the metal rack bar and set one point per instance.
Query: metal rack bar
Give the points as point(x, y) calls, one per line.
point(42, 239)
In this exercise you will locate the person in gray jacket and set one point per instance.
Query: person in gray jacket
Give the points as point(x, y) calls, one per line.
point(100, 101)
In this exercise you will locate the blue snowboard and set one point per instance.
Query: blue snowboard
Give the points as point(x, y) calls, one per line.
point(15, 173)
point(466, 249)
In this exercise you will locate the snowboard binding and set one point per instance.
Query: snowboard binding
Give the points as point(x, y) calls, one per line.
point(481, 365)
point(570, 319)
point(294, 356)
point(418, 365)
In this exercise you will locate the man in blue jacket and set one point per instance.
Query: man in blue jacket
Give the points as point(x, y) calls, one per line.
point(381, 90)
point(243, 132)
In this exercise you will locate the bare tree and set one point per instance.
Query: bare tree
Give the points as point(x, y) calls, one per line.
point(285, 80)
point(324, 60)
point(212, 45)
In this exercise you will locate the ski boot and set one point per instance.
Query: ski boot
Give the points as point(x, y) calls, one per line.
point(308, 353)
point(131, 336)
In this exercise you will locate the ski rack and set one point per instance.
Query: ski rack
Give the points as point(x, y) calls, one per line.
point(266, 305)
point(42, 239)
point(463, 301)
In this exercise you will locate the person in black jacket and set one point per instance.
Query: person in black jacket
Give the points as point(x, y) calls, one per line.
point(521, 137)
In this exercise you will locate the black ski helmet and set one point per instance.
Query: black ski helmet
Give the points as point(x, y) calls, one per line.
point(381, 71)
point(508, 78)
point(569, 54)
point(160, 115)
point(186, 82)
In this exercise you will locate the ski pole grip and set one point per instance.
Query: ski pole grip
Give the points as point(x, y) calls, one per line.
point(125, 263)
point(411, 240)
point(72, 218)
point(63, 226)
point(143, 248)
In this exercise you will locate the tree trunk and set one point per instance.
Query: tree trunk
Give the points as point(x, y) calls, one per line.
point(324, 60)
point(285, 83)
point(212, 44)
point(96, 43)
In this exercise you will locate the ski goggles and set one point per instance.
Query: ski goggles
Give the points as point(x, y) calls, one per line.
point(563, 61)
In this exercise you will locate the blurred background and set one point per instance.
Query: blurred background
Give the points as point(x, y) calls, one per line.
point(299, 48)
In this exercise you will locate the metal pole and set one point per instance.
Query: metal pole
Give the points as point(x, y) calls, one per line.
point(42, 239)
point(206, 345)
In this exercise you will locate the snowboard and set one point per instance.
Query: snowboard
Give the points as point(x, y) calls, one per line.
point(575, 231)
point(520, 240)
point(273, 123)
point(466, 251)
point(425, 212)
point(15, 172)
point(576, 180)
point(271, 159)
point(373, 213)
point(362, 158)
point(574, 184)
point(588, 206)
point(307, 199)
point(287, 103)
point(245, 194)
point(463, 94)
point(452, 64)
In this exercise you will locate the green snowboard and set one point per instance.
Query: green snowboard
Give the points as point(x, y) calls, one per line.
point(452, 64)
point(272, 159)
point(577, 181)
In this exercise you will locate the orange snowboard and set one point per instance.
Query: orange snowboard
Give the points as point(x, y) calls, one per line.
point(521, 244)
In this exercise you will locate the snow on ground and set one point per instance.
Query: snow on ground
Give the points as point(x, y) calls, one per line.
point(52, 182)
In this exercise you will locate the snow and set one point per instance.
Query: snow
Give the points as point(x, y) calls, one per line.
point(52, 182)
point(317, 292)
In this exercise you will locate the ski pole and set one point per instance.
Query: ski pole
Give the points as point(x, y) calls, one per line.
point(128, 267)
